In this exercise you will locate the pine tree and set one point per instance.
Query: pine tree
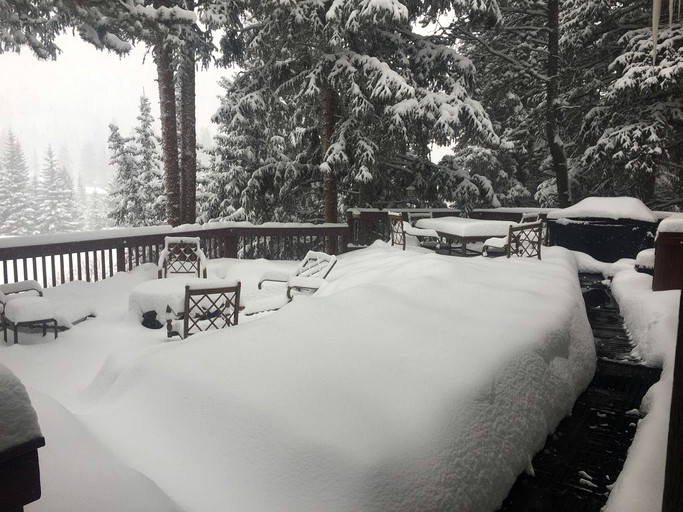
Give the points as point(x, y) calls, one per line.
point(122, 192)
point(137, 193)
point(341, 96)
point(17, 207)
point(59, 212)
point(149, 175)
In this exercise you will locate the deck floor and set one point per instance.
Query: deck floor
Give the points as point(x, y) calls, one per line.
point(582, 459)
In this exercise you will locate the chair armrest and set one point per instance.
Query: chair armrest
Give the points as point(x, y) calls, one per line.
point(22, 286)
point(275, 277)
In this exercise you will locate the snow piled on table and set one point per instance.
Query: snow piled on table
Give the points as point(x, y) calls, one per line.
point(608, 208)
point(18, 420)
point(411, 381)
point(651, 319)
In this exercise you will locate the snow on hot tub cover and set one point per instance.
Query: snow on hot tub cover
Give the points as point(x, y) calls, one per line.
point(18, 420)
point(608, 208)
point(411, 381)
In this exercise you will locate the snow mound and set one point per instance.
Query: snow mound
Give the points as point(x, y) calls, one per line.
point(411, 381)
point(18, 420)
point(607, 208)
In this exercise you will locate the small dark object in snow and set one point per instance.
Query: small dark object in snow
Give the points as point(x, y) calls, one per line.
point(149, 320)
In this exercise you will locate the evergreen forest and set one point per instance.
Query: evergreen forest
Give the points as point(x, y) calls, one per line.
point(340, 103)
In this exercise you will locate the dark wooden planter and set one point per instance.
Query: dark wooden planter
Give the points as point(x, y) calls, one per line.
point(606, 240)
point(668, 273)
point(20, 475)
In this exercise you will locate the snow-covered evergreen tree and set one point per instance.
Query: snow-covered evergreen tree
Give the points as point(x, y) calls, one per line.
point(137, 192)
point(58, 211)
point(17, 206)
point(341, 95)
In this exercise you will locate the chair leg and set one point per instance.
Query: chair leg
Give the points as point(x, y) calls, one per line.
point(56, 326)
point(16, 334)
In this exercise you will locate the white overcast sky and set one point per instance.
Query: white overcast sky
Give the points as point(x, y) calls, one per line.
point(70, 102)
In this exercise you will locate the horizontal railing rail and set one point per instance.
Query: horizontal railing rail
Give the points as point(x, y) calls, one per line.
point(57, 259)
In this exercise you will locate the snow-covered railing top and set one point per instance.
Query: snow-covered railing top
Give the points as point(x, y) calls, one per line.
point(92, 256)
point(108, 234)
point(606, 208)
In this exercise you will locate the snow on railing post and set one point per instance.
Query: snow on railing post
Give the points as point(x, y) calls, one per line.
point(673, 476)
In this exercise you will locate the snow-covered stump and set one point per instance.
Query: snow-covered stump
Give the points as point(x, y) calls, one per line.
point(20, 438)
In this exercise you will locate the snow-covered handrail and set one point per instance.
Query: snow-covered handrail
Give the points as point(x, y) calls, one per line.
point(92, 256)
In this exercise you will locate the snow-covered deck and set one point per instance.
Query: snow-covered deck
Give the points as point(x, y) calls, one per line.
point(409, 381)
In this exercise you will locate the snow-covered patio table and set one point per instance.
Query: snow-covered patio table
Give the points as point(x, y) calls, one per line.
point(158, 294)
point(463, 231)
point(411, 381)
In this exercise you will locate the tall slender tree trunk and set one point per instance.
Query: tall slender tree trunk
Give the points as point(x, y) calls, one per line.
point(554, 143)
point(330, 184)
point(169, 135)
point(188, 130)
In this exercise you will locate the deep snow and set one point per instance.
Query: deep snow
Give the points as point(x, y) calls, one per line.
point(408, 381)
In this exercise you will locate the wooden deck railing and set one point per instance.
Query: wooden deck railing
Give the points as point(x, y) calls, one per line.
point(57, 259)
point(369, 224)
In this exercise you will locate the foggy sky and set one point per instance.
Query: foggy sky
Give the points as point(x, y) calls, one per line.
point(69, 103)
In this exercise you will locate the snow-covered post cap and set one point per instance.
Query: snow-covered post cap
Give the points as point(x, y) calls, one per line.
point(18, 419)
point(672, 224)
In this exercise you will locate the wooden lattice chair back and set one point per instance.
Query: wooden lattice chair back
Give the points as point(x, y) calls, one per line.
point(210, 308)
point(525, 240)
point(398, 234)
point(182, 256)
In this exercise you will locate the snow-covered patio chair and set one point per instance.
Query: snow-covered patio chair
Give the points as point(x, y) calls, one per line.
point(522, 240)
point(400, 229)
point(308, 276)
point(23, 305)
point(205, 308)
point(182, 256)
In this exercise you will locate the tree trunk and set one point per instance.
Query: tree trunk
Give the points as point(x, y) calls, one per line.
point(330, 188)
point(554, 143)
point(169, 135)
point(188, 154)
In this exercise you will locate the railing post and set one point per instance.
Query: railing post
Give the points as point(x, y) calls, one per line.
point(673, 476)
point(121, 258)
point(230, 243)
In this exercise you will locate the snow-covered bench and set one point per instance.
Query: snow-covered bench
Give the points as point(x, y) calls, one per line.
point(23, 305)
point(309, 275)
point(182, 256)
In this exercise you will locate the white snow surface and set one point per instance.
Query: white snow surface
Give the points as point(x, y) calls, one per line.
point(672, 224)
point(410, 381)
point(646, 258)
point(651, 319)
point(18, 421)
point(608, 208)
point(460, 226)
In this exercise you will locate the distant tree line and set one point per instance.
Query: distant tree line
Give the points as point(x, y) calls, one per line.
point(47, 202)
